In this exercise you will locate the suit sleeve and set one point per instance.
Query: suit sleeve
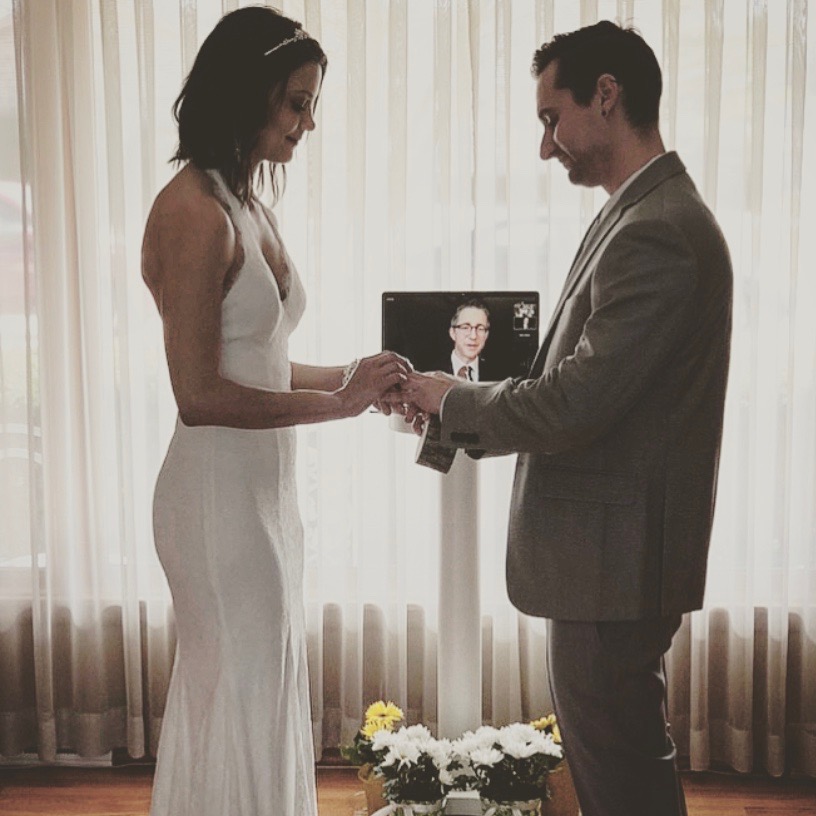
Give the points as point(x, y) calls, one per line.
point(641, 297)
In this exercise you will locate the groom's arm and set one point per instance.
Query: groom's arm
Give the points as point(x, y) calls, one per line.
point(476, 453)
point(641, 297)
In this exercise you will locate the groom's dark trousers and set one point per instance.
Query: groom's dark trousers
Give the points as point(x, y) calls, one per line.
point(609, 691)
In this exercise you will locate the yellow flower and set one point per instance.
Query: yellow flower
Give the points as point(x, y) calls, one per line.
point(543, 723)
point(548, 724)
point(383, 711)
point(374, 725)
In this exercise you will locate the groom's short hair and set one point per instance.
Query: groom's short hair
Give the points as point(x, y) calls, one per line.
point(606, 48)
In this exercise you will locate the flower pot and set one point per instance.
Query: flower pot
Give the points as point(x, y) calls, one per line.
point(372, 787)
point(532, 807)
point(563, 800)
point(418, 808)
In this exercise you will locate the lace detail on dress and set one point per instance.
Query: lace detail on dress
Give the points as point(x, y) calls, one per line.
point(238, 262)
point(282, 270)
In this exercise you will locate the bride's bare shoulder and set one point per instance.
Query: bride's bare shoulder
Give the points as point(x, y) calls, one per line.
point(189, 194)
point(186, 210)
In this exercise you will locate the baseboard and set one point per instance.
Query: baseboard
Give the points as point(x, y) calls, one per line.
point(63, 760)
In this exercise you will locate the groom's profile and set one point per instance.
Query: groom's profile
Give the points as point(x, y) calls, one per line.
point(618, 423)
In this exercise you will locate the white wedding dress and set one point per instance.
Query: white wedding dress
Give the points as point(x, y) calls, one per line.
point(236, 737)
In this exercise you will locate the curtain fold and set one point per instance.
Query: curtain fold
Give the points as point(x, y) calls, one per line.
point(423, 174)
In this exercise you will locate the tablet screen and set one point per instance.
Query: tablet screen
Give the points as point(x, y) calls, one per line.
point(482, 336)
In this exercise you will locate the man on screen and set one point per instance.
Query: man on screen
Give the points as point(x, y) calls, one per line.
point(469, 330)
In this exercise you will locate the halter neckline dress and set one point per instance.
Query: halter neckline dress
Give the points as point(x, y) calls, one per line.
point(236, 737)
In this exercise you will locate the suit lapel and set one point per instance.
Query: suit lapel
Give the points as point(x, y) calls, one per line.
point(586, 252)
point(667, 166)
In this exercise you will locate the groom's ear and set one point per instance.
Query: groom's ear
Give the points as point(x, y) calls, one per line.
point(452, 334)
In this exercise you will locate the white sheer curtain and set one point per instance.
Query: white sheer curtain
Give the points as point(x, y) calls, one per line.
point(422, 174)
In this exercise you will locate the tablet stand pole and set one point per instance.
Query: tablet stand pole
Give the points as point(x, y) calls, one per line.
point(459, 667)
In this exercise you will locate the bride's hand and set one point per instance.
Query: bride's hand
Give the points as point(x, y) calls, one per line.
point(372, 377)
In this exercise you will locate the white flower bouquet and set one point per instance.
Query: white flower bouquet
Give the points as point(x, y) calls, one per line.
point(510, 764)
point(416, 767)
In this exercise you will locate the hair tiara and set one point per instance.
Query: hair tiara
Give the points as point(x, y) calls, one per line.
point(299, 34)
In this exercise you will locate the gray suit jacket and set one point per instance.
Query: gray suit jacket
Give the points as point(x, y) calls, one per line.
point(618, 426)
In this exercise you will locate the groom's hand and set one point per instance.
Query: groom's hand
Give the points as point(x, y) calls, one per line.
point(394, 401)
point(391, 402)
point(417, 398)
point(425, 391)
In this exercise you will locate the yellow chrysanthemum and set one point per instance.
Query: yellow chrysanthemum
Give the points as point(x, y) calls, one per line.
point(376, 724)
point(543, 723)
point(383, 711)
point(548, 724)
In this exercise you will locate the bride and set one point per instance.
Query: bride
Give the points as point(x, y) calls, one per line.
point(236, 737)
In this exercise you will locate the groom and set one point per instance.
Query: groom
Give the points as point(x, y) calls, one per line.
point(617, 425)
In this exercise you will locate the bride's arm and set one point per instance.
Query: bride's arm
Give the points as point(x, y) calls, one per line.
point(316, 378)
point(189, 249)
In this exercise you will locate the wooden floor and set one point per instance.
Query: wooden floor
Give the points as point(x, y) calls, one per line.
point(126, 792)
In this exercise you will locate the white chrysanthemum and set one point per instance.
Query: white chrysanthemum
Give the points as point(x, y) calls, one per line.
point(427, 746)
point(484, 737)
point(416, 732)
point(400, 737)
point(486, 757)
point(444, 745)
point(486, 733)
point(460, 755)
point(441, 752)
point(401, 755)
point(547, 745)
point(465, 744)
point(446, 778)
point(383, 739)
point(516, 733)
point(522, 750)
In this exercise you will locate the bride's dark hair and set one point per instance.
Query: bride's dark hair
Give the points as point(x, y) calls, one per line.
point(226, 97)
